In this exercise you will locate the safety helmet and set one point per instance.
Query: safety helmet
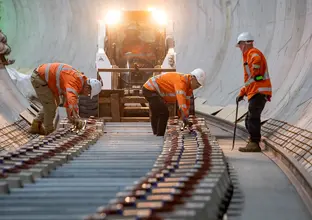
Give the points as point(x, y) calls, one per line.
point(96, 87)
point(200, 75)
point(245, 36)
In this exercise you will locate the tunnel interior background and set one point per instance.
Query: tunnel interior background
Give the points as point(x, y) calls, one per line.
point(205, 32)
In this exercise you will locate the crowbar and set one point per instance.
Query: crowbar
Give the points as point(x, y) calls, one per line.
point(235, 125)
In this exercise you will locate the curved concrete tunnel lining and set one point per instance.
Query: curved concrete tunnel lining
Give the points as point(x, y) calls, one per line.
point(46, 37)
point(211, 56)
point(12, 101)
point(289, 22)
point(205, 37)
point(205, 33)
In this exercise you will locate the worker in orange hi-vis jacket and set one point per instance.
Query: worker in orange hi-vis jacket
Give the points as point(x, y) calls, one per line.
point(52, 82)
point(257, 88)
point(168, 88)
point(135, 47)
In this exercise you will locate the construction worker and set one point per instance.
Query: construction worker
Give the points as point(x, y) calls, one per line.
point(134, 46)
point(52, 82)
point(257, 88)
point(168, 88)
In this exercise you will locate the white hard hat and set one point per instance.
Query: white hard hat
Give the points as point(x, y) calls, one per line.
point(245, 36)
point(200, 75)
point(96, 87)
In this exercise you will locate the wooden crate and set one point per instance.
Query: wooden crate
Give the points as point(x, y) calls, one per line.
point(109, 104)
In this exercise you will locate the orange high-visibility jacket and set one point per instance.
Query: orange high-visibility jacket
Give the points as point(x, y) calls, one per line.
point(255, 65)
point(63, 80)
point(172, 87)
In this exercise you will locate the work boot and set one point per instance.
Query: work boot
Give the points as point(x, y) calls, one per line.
point(159, 134)
point(250, 147)
point(47, 132)
point(248, 140)
point(37, 128)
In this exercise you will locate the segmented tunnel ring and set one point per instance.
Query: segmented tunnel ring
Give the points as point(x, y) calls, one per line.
point(189, 180)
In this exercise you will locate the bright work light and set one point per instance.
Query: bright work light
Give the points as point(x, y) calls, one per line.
point(159, 16)
point(112, 17)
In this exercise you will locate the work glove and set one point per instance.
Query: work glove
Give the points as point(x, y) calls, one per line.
point(186, 122)
point(78, 123)
point(239, 98)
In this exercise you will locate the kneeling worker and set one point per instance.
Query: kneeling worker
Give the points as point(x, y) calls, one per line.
point(54, 80)
point(169, 88)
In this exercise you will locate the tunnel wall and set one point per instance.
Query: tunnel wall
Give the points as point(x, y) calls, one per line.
point(205, 34)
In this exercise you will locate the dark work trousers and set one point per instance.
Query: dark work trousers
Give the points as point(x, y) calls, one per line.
point(159, 111)
point(253, 118)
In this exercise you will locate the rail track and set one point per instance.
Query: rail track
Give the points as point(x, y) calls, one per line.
point(120, 171)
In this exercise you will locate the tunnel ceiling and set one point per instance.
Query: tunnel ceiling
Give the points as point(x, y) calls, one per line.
point(205, 32)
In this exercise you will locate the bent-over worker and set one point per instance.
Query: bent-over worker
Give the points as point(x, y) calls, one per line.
point(168, 88)
point(258, 89)
point(54, 80)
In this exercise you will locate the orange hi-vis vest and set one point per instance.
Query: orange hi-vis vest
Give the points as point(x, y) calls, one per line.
point(172, 87)
point(256, 74)
point(63, 80)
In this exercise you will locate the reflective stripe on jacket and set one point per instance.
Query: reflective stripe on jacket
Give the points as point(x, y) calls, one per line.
point(255, 65)
point(63, 80)
point(172, 87)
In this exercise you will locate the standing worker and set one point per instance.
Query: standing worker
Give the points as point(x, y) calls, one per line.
point(52, 82)
point(257, 88)
point(169, 88)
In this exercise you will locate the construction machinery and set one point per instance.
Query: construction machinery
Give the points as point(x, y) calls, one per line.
point(132, 47)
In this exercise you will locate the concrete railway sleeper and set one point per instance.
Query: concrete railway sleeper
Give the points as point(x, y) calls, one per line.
point(183, 177)
point(189, 180)
point(38, 158)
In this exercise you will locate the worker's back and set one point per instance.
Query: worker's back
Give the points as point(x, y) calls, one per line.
point(168, 85)
point(60, 76)
point(167, 81)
